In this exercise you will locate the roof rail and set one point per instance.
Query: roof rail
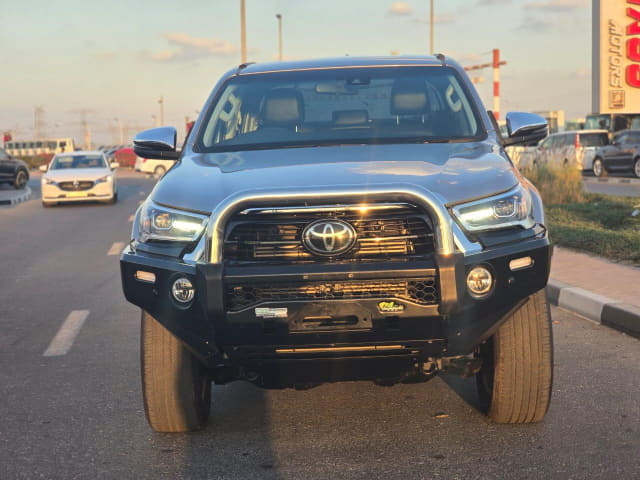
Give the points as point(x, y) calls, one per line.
point(440, 57)
point(242, 66)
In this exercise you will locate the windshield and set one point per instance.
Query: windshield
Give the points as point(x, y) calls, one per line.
point(353, 105)
point(77, 161)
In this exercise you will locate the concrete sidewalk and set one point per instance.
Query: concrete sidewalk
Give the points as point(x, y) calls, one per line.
point(603, 291)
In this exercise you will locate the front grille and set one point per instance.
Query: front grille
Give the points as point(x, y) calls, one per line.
point(70, 187)
point(279, 237)
point(421, 291)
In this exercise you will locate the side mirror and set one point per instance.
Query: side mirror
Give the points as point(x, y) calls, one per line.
point(114, 165)
point(159, 143)
point(43, 168)
point(525, 128)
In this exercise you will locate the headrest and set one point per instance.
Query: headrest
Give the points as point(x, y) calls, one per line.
point(408, 97)
point(345, 118)
point(282, 107)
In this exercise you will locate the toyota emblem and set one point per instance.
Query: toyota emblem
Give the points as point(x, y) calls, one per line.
point(329, 237)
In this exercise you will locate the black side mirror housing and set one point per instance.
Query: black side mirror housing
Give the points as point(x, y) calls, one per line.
point(525, 129)
point(158, 143)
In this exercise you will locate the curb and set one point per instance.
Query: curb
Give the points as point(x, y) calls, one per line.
point(598, 308)
point(632, 181)
point(22, 197)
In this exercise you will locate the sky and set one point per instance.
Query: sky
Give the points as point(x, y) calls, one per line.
point(115, 59)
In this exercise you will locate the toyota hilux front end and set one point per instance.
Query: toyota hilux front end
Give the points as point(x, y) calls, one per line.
point(339, 220)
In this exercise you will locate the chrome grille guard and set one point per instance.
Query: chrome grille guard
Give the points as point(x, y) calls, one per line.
point(448, 235)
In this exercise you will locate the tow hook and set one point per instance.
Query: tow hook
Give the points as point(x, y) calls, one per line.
point(464, 366)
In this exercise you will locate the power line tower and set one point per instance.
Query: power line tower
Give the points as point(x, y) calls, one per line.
point(86, 128)
point(39, 123)
point(495, 64)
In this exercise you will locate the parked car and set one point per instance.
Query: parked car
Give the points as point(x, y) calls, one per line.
point(622, 155)
point(79, 176)
point(13, 170)
point(339, 220)
point(125, 156)
point(156, 166)
point(571, 149)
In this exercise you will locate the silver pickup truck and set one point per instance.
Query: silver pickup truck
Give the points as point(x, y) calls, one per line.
point(340, 220)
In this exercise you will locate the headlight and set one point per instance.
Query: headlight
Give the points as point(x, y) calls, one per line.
point(48, 181)
point(106, 178)
point(168, 224)
point(511, 209)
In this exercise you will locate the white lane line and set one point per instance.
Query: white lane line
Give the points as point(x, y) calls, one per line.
point(68, 332)
point(116, 248)
point(131, 217)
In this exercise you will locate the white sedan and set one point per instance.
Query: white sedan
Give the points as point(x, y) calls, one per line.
point(79, 176)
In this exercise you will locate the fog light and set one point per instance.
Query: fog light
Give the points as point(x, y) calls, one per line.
point(182, 290)
point(479, 281)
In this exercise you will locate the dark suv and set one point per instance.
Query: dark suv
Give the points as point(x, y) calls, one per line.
point(623, 154)
point(339, 220)
point(13, 170)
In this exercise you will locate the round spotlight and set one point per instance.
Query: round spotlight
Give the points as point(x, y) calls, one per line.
point(479, 282)
point(183, 290)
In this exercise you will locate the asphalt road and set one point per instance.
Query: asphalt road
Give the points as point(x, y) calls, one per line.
point(613, 185)
point(80, 415)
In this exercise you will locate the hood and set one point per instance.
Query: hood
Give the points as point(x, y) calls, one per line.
point(453, 171)
point(67, 174)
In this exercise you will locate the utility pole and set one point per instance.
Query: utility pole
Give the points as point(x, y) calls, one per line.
point(161, 102)
point(431, 23)
point(243, 34)
point(121, 130)
point(39, 123)
point(279, 17)
point(85, 125)
point(495, 64)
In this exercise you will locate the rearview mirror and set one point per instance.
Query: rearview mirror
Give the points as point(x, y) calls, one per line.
point(159, 143)
point(525, 128)
point(43, 168)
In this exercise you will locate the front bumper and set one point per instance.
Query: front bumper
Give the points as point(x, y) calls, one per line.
point(364, 340)
point(100, 191)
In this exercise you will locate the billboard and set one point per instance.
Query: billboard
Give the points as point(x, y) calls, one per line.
point(616, 56)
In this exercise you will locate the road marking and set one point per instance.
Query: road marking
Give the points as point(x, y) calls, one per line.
point(67, 334)
point(131, 217)
point(116, 248)
point(142, 194)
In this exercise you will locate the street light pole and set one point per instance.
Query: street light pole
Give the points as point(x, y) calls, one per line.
point(161, 102)
point(431, 22)
point(279, 17)
point(121, 130)
point(243, 33)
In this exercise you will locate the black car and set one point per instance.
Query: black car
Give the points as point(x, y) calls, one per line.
point(622, 154)
point(13, 170)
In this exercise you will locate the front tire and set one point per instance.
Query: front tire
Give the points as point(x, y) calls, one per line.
point(20, 180)
point(636, 167)
point(175, 385)
point(598, 168)
point(159, 171)
point(515, 381)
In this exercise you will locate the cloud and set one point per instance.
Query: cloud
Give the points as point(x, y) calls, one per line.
point(192, 48)
point(581, 73)
point(493, 2)
point(557, 5)
point(401, 9)
point(535, 24)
